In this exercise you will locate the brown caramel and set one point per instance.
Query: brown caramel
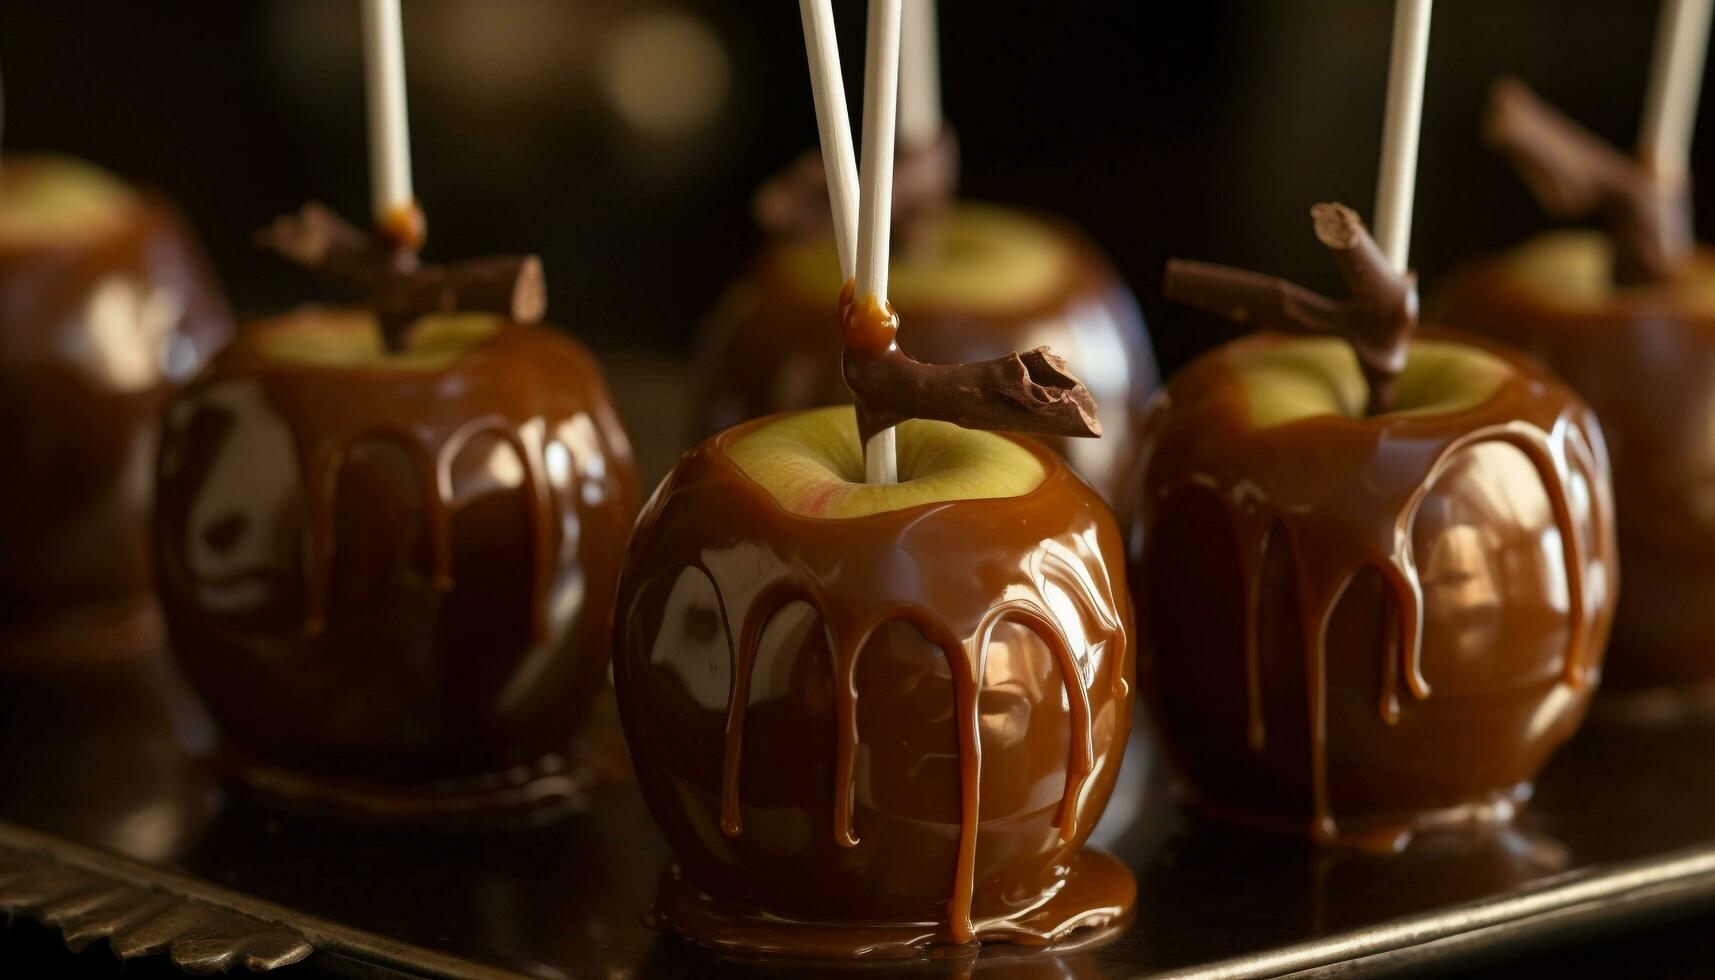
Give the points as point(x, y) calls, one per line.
point(99, 321)
point(774, 343)
point(864, 735)
point(396, 573)
point(1408, 618)
point(1644, 357)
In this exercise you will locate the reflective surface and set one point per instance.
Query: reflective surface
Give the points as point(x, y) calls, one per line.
point(1011, 282)
point(866, 733)
point(1645, 361)
point(106, 304)
point(1361, 627)
point(564, 899)
point(396, 580)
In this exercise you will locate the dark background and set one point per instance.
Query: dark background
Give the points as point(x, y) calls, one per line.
point(1203, 129)
point(1196, 128)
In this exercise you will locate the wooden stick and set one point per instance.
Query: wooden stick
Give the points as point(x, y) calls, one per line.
point(828, 88)
point(1675, 80)
point(875, 195)
point(1396, 182)
point(919, 78)
point(395, 204)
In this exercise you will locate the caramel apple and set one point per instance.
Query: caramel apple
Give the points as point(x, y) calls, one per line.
point(1375, 574)
point(106, 304)
point(1628, 319)
point(974, 280)
point(388, 566)
point(875, 662)
point(869, 717)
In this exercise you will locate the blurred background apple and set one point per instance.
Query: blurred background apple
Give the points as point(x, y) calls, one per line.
point(623, 140)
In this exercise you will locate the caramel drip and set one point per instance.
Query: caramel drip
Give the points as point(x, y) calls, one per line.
point(436, 464)
point(1083, 759)
point(847, 632)
point(1327, 556)
point(433, 416)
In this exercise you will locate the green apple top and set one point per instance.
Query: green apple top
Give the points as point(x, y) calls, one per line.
point(976, 256)
point(55, 199)
point(1573, 270)
point(350, 337)
point(1305, 377)
point(811, 464)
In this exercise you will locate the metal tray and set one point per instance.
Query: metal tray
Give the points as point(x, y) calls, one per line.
point(114, 826)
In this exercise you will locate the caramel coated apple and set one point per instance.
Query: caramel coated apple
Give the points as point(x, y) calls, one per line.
point(1644, 358)
point(869, 718)
point(106, 305)
point(1358, 626)
point(974, 281)
point(390, 574)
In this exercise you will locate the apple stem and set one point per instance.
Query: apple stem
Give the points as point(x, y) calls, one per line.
point(1377, 321)
point(401, 292)
point(875, 195)
point(1572, 172)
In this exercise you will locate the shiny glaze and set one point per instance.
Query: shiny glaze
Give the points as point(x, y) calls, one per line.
point(860, 736)
point(773, 344)
point(1645, 361)
point(96, 329)
point(386, 581)
point(1410, 615)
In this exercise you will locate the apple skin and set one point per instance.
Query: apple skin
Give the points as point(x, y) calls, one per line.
point(673, 667)
point(98, 323)
point(1495, 624)
point(412, 692)
point(1645, 361)
point(773, 342)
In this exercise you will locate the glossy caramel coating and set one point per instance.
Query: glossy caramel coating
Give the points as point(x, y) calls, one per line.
point(864, 735)
point(99, 321)
point(1644, 358)
point(773, 343)
point(1358, 627)
point(394, 584)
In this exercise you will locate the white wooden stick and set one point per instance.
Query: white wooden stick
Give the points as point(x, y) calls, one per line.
point(389, 133)
point(919, 77)
point(838, 161)
point(875, 193)
point(1397, 180)
point(1675, 80)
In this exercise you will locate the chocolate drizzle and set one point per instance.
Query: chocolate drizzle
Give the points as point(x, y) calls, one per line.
point(1377, 320)
point(848, 625)
point(1028, 392)
point(1574, 173)
point(384, 267)
point(432, 414)
point(1023, 563)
